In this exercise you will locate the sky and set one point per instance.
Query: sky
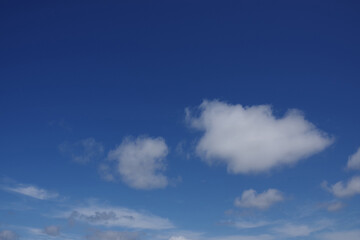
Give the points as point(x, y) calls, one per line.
point(179, 120)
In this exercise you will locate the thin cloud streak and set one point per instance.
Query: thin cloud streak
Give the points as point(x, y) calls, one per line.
point(117, 217)
point(32, 191)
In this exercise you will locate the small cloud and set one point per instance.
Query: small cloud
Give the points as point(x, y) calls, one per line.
point(140, 163)
point(107, 172)
point(52, 230)
point(32, 191)
point(245, 224)
point(252, 139)
point(332, 207)
point(251, 199)
point(182, 149)
point(8, 235)
point(178, 238)
point(339, 189)
point(83, 151)
point(354, 161)
point(61, 123)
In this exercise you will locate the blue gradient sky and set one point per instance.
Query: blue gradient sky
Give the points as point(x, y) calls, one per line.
point(85, 85)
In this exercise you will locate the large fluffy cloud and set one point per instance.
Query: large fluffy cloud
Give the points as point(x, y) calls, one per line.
point(117, 217)
point(139, 162)
point(354, 160)
point(251, 199)
point(252, 139)
point(339, 189)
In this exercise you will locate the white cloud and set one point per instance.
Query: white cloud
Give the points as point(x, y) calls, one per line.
point(8, 235)
point(113, 235)
point(346, 235)
point(252, 139)
point(32, 191)
point(117, 217)
point(140, 162)
point(251, 199)
point(354, 160)
point(83, 151)
point(52, 230)
point(339, 189)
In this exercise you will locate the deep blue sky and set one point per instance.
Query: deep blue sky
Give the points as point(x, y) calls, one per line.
point(105, 71)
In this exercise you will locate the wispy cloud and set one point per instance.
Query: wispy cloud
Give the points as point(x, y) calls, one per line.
point(52, 230)
point(230, 237)
point(83, 151)
point(178, 235)
point(49, 232)
point(178, 238)
point(8, 235)
point(346, 235)
point(32, 191)
point(331, 206)
point(113, 235)
point(117, 217)
point(252, 139)
point(251, 199)
point(339, 189)
point(140, 163)
point(292, 230)
point(335, 206)
point(247, 224)
point(245, 237)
